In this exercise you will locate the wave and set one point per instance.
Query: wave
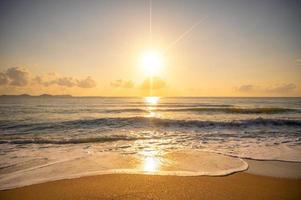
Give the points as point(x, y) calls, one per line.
point(240, 110)
point(193, 105)
point(142, 122)
point(196, 108)
point(128, 108)
point(111, 138)
point(226, 110)
point(135, 110)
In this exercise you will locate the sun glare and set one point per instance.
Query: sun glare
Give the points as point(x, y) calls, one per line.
point(152, 62)
point(151, 164)
point(152, 100)
point(150, 161)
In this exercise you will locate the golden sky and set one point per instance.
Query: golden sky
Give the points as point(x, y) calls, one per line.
point(206, 48)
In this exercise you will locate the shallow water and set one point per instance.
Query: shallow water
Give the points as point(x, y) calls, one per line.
point(36, 132)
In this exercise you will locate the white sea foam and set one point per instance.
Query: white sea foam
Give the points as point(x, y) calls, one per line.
point(180, 163)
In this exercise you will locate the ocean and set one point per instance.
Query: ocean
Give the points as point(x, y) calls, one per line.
point(50, 138)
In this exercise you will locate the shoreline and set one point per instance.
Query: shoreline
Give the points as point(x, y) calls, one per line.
point(274, 168)
point(201, 164)
point(133, 186)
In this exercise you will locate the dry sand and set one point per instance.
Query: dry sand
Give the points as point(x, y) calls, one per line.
point(119, 186)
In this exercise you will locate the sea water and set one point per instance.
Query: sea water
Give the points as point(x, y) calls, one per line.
point(50, 138)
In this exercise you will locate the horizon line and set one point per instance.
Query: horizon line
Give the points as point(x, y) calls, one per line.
point(99, 96)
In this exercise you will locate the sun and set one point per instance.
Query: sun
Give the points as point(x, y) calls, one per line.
point(152, 62)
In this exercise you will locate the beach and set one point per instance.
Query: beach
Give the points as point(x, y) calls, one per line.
point(125, 186)
point(150, 100)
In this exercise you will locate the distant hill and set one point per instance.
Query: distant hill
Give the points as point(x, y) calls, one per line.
point(42, 95)
point(49, 95)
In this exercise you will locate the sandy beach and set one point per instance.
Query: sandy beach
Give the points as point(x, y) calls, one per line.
point(150, 100)
point(236, 186)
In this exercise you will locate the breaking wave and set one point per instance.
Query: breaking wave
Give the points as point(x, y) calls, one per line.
point(225, 110)
point(111, 138)
point(145, 122)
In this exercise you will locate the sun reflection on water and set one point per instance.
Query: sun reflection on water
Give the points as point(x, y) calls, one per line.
point(151, 164)
point(152, 100)
point(150, 160)
point(151, 103)
point(151, 114)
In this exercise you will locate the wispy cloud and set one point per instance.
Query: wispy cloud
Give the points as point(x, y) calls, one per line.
point(150, 83)
point(276, 89)
point(246, 88)
point(122, 84)
point(284, 88)
point(153, 83)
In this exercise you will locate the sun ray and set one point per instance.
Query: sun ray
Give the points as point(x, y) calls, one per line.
point(150, 23)
point(184, 34)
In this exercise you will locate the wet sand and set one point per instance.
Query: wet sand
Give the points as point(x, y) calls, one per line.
point(127, 186)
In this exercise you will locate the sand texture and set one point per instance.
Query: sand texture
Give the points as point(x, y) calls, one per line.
point(119, 186)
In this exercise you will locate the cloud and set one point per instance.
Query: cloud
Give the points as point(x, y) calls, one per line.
point(122, 84)
point(65, 81)
point(153, 83)
point(245, 88)
point(22, 77)
point(285, 88)
point(41, 80)
point(86, 83)
point(15, 76)
point(278, 89)
point(4, 80)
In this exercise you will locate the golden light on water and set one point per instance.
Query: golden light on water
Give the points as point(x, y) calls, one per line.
point(151, 103)
point(151, 161)
point(151, 164)
point(151, 114)
point(152, 100)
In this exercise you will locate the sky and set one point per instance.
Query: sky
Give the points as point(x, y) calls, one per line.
point(207, 47)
